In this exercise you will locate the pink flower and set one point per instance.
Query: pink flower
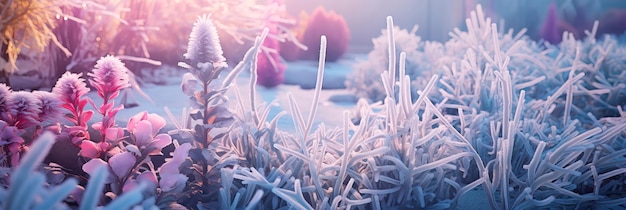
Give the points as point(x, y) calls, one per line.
point(109, 77)
point(144, 130)
point(24, 108)
point(89, 149)
point(70, 87)
point(204, 43)
point(50, 105)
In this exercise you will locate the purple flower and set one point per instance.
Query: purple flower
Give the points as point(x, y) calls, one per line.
point(204, 43)
point(109, 77)
point(50, 105)
point(24, 108)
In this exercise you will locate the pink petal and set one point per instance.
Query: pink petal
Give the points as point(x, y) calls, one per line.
point(134, 119)
point(157, 122)
point(142, 133)
point(89, 149)
point(86, 116)
point(91, 166)
point(113, 135)
point(115, 110)
point(106, 107)
point(122, 163)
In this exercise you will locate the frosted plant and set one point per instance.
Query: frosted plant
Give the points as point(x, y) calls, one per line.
point(204, 43)
point(23, 108)
point(367, 165)
point(365, 81)
point(71, 89)
point(509, 129)
point(29, 190)
point(50, 105)
point(209, 118)
point(108, 77)
point(513, 107)
point(22, 114)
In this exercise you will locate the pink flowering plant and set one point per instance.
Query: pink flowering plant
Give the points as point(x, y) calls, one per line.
point(125, 152)
point(122, 154)
point(22, 111)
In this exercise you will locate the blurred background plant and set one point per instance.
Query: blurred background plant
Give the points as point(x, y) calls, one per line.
point(333, 26)
point(308, 30)
point(26, 24)
point(135, 31)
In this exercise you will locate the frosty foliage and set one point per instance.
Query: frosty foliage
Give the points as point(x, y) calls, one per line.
point(366, 83)
point(29, 190)
point(492, 109)
point(538, 116)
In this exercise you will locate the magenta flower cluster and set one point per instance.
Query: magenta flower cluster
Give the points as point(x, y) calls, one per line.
point(125, 151)
point(21, 110)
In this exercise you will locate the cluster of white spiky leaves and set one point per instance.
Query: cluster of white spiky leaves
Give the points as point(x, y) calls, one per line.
point(29, 190)
point(390, 158)
point(365, 82)
point(496, 70)
point(488, 117)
